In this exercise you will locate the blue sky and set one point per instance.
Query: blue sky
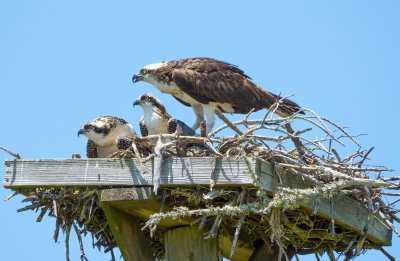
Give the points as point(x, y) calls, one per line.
point(63, 63)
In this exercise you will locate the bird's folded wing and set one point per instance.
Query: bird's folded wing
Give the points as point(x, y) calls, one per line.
point(223, 87)
point(143, 129)
point(91, 149)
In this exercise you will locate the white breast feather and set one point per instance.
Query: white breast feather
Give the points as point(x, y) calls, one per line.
point(103, 152)
point(155, 124)
point(173, 89)
point(225, 106)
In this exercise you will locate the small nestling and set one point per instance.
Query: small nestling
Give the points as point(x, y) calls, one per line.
point(156, 120)
point(102, 133)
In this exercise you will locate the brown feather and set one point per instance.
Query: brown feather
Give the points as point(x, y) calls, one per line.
point(143, 129)
point(91, 149)
point(208, 80)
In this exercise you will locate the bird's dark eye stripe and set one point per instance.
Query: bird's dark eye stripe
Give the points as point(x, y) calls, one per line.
point(98, 130)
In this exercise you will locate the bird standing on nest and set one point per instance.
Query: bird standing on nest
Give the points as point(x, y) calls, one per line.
point(210, 86)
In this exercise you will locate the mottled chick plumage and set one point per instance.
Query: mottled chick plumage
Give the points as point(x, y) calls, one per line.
point(102, 133)
point(156, 120)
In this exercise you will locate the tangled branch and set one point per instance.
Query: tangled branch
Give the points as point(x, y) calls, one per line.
point(332, 164)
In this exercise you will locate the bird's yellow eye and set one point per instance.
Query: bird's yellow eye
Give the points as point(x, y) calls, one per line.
point(146, 98)
point(144, 71)
point(90, 127)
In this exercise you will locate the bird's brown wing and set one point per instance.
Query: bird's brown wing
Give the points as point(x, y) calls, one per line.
point(172, 123)
point(91, 149)
point(227, 86)
point(183, 102)
point(186, 130)
point(143, 129)
point(124, 143)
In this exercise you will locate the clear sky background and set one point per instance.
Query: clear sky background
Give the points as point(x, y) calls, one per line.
point(63, 63)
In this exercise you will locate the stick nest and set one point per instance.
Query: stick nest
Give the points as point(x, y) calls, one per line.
point(248, 214)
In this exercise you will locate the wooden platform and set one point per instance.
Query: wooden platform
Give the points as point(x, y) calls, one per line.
point(139, 201)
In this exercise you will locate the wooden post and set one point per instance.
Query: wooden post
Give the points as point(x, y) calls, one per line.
point(188, 243)
point(128, 235)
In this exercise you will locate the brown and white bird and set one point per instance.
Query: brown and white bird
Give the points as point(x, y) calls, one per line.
point(206, 84)
point(156, 120)
point(102, 133)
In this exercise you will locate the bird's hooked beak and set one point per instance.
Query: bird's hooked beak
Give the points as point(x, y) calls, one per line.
point(81, 131)
point(137, 77)
point(137, 102)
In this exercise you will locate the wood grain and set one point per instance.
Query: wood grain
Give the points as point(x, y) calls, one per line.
point(121, 172)
point(188, 243)
point(126, 229)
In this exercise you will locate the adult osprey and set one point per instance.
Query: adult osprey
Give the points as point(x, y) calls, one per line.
point(102, 133)
point(156, 120)
point(206, 85)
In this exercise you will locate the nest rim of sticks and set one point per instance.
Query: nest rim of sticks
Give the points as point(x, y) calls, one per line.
point(318, 163)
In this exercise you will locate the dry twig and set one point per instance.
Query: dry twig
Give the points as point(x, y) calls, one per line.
point(15, 155)
point(261, 216)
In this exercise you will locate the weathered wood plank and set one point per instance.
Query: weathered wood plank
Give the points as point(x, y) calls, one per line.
point(348, 212)
point(267, 177)
point(140, 202)
point(188, 243)
point(121, 172)
point(124, 194)
point(351, 215)
point(179, 171)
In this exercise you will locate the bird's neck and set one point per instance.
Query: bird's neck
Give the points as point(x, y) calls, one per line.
point(152, 116)
point(155, 121)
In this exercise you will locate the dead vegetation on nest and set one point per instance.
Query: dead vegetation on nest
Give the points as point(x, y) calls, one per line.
point(74, 208)
point(249, 214)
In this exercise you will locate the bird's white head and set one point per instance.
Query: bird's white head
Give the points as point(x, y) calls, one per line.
point(149, 103)
point(146, 73)
point(154, 66)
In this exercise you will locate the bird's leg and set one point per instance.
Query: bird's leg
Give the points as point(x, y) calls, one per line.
point(203, 128)
point(198, 111)
point(209, 110)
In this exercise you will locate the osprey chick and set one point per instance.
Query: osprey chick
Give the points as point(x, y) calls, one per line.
point(206, 84)
point(156, 120)
point(102, 133)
